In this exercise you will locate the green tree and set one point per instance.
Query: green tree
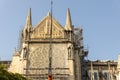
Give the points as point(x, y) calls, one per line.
point(5, 75)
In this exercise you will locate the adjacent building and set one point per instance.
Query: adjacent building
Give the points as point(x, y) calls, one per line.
point(100, 70)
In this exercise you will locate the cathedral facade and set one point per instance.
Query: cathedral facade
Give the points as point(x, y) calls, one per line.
point(65, 43)
point(32, 59)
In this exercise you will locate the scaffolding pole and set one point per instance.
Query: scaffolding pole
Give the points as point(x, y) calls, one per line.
point(50, 50)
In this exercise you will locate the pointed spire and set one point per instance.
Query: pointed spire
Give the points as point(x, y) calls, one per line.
point(48, 14)
point(68, 25)
point(28, 24)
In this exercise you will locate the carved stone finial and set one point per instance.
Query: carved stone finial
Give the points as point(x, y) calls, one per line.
point(68, 25)
point(28, 25)
point(48, 14)
point(28, 20)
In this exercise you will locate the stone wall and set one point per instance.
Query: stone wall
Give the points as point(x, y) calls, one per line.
point(38, 59)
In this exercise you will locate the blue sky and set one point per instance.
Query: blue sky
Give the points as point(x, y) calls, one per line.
point(100, 20)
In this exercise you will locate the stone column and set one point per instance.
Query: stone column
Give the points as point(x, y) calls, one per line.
point(71, 68)
point(71, 62)
point(77, 66)
point(118, 68)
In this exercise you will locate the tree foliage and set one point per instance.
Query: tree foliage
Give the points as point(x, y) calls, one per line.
point(5, 75)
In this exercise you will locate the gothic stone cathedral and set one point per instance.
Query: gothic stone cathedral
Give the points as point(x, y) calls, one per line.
point(32, 59)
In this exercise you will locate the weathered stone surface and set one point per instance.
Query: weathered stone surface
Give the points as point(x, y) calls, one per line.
point(33, 57)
